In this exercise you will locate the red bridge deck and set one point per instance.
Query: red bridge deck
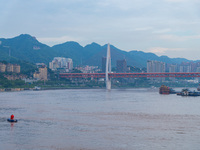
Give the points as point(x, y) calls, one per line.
point(129, 75)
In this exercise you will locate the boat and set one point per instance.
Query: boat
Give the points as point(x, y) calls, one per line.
point(187, 92)
point(12, 120)
point(37, 88)
point(198, 88)
point(166, 90)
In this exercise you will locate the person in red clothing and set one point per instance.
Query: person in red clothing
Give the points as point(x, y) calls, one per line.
point(12, 117)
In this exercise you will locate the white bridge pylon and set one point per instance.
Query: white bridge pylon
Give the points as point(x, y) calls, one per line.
point(108, 68)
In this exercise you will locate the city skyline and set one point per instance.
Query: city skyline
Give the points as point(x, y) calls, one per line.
point(164, 27)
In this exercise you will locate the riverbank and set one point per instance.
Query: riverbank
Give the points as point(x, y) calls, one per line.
point(14, 89)
point(39, 88)
point(44, 88)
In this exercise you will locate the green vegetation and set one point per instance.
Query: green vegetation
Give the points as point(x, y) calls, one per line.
point(5, 83)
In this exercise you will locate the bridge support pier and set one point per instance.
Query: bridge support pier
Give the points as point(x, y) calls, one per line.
point(108, 85)
point(108, 68)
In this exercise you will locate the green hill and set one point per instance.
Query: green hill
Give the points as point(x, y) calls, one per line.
point(27, 48)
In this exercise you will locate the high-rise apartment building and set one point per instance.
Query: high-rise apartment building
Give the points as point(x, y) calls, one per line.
point(2, 67)
point(16, 68)
point(185, 68)
point(173, 68)
point(9, 67)
point(155, 66)
point(121, 66)
point(69, 64)
point(41, 74)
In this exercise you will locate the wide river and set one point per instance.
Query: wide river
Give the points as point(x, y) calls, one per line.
point(87, 119)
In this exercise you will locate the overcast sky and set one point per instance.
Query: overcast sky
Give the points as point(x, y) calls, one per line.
point(164, 27)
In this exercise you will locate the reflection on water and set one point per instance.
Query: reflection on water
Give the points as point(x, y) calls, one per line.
point(99, 119)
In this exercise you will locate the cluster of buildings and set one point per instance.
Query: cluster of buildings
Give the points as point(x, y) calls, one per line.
point(13, 68)
point(88, 69)
point(158, 66)
point(61, 64)
point(185, 67)
point(154, 66)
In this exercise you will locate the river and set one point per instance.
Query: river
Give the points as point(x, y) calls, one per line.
point(87, 119)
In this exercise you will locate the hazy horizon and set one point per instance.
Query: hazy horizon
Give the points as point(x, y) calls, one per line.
point(163, 27)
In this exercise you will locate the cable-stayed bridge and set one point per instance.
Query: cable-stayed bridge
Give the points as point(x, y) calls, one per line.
point(108, 75)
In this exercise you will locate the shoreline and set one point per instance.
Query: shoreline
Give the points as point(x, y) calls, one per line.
point(60, 88)
point(63, 88)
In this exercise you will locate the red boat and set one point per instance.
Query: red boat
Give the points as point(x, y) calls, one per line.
point(166, 90)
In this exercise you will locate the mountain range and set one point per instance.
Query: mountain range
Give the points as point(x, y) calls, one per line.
point(27, 48)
